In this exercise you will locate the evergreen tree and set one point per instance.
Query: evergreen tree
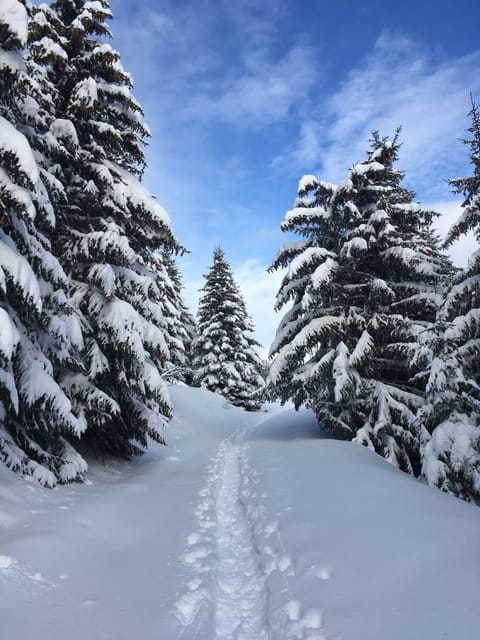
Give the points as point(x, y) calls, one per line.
point(451, 457)
point(224, 359)
point(38, 330)
point(180, 327)
point(366, 279)
point(108, 228)
point(189, 325)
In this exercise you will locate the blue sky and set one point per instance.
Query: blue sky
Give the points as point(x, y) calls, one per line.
point(244, 97)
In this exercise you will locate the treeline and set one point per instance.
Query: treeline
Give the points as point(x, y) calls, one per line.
point(382, 334)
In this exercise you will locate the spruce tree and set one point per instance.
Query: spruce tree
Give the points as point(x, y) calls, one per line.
point(180, 327)
point(224, 359)
point(109, 225)
point(451, 457)
point(366, 279)
point(39, 332)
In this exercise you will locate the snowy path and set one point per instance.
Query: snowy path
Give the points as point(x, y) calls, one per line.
point(246, 526)
point(230, 584)
point(241, 598)
point(235, 556)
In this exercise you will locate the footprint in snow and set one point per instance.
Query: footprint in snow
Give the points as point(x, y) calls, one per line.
point(197, 554)
point(323, 573)
point(89, 603)
point(285, 564)
point(193, 585)
point(201, 509)
point(271, 528)
point(7, 563)
point(12, 569)
point(303, 625)
point(320, 572)
point(189, 605)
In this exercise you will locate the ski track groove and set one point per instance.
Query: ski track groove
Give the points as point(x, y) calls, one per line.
point(229, 588)
point(241, 594)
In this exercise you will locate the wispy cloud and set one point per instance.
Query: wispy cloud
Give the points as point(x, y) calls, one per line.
point(227, 65)
point(398, 84)
point(306, 152)
point(262, 91)
point(254, 23)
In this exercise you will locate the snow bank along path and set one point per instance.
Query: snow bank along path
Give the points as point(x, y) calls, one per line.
point(232, 555)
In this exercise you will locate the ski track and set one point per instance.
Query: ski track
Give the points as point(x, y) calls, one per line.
point(241, 599)
point(240, 571)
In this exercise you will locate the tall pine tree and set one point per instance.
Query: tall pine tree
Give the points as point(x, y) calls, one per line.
point(451, 457)
point(366, 279)
point(180, 326)
point(38, 328)
point(224, 359)
point(108, 228)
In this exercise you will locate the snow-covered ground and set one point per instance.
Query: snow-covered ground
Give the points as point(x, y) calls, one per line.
point(246, 527)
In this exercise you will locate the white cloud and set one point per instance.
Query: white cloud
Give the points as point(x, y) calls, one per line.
point(255, 23)
point(397, 85)
point(262, 91)
point(253, 79)
point(307, 151)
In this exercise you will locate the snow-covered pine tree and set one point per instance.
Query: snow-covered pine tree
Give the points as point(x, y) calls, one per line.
point(451, 457)
point(366, 278)
point(189, 326)
point(180, 326)
point(109, 225)
point(224, 359)
point(312, 219)
point(37, 328)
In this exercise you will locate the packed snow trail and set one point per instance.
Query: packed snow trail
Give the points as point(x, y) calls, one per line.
point(241, 598)
point(230, 587)
point(240, 588)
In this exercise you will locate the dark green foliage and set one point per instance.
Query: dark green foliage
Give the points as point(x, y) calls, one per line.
point(39, 332)
point(108, 227)
point(366, 279)
point(451, 353)
point(179, 324)
point(224, 359)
